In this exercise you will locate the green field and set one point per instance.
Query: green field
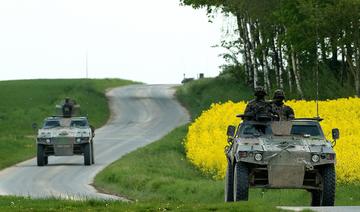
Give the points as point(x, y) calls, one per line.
point(29, 101)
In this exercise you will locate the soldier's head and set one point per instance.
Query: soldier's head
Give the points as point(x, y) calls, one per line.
point(260, 92)
point(279, 96)
point(67, 100)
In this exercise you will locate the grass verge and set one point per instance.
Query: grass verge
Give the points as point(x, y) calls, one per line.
point(26, 204)
point(24, 102)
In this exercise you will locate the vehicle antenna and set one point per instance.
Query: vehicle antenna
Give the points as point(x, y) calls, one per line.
point(317, 60)
point(87, 65)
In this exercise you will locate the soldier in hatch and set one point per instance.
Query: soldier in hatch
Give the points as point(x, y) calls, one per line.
point(258, 109)
point(284, 112)
point(67, 108)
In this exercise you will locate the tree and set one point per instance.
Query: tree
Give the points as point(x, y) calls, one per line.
point(284, 42)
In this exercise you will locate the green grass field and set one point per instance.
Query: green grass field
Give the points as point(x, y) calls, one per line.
point(29, 101)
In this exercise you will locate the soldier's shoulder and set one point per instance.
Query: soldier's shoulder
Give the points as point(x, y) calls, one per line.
point(253, 101)
point(287, 107)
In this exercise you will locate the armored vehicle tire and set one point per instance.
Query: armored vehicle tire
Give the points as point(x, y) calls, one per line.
point(46, 160)
point(92, 153)
point(229, 183)
point(241, 182)
point(87, 154)
point(315, 197)
point(40, 155)
point(329, 184)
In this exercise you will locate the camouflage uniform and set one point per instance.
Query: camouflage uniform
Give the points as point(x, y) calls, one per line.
point(258, 109)
point(284, 112)
point(67, 108)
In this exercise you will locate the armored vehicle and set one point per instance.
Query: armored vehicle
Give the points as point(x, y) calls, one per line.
point(65, 136)
point(281, 155)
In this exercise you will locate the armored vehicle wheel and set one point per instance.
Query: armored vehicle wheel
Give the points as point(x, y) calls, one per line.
point(92, 153)
point(315, 197)
point(229, 183)
point(46, 160)
point(329, 184)
point(87, 154)
point(241, 182)
point(40, 155)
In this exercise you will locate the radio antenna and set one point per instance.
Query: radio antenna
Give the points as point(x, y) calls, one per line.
point(87, 65)
point(317, 60)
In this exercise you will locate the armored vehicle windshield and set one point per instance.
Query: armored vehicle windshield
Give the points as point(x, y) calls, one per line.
point(286, 128)
point(51, 124)
point(79, 123)
point(254, 129)
point(303, 130)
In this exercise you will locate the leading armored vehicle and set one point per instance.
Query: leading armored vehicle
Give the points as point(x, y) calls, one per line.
point(65, 136)
point(281, 155)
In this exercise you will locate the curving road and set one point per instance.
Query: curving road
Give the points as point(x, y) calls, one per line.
point(141, 114)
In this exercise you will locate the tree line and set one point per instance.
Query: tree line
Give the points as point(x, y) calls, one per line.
point(285, 43)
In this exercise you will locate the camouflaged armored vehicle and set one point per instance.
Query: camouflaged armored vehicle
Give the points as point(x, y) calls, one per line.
point(65, 136)
point(281, 155)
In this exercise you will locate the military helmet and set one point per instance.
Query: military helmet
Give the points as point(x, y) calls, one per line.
point(279, 94)
point(260, 91)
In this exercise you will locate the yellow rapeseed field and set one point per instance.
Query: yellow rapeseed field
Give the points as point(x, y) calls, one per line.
point(206, 139)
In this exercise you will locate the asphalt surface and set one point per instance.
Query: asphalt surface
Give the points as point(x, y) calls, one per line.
point(141, 114)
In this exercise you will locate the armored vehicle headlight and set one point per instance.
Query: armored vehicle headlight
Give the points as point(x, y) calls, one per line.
point(315, 158)
point(48, 140)
point(242, 154)
point(78, 140)
point(258, 157)
point(328, 156)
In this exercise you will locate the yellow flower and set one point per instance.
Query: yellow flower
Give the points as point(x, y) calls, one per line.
point(206, 139)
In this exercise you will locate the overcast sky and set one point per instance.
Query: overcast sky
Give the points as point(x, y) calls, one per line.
point(150, 41)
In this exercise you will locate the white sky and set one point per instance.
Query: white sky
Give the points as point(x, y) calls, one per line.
point(150, 41)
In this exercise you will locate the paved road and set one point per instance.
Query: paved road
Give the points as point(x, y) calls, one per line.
point(141, 114)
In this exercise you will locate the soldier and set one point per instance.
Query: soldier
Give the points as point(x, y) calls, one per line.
point(258, 109)
point(284, 112)
point(67, 108)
